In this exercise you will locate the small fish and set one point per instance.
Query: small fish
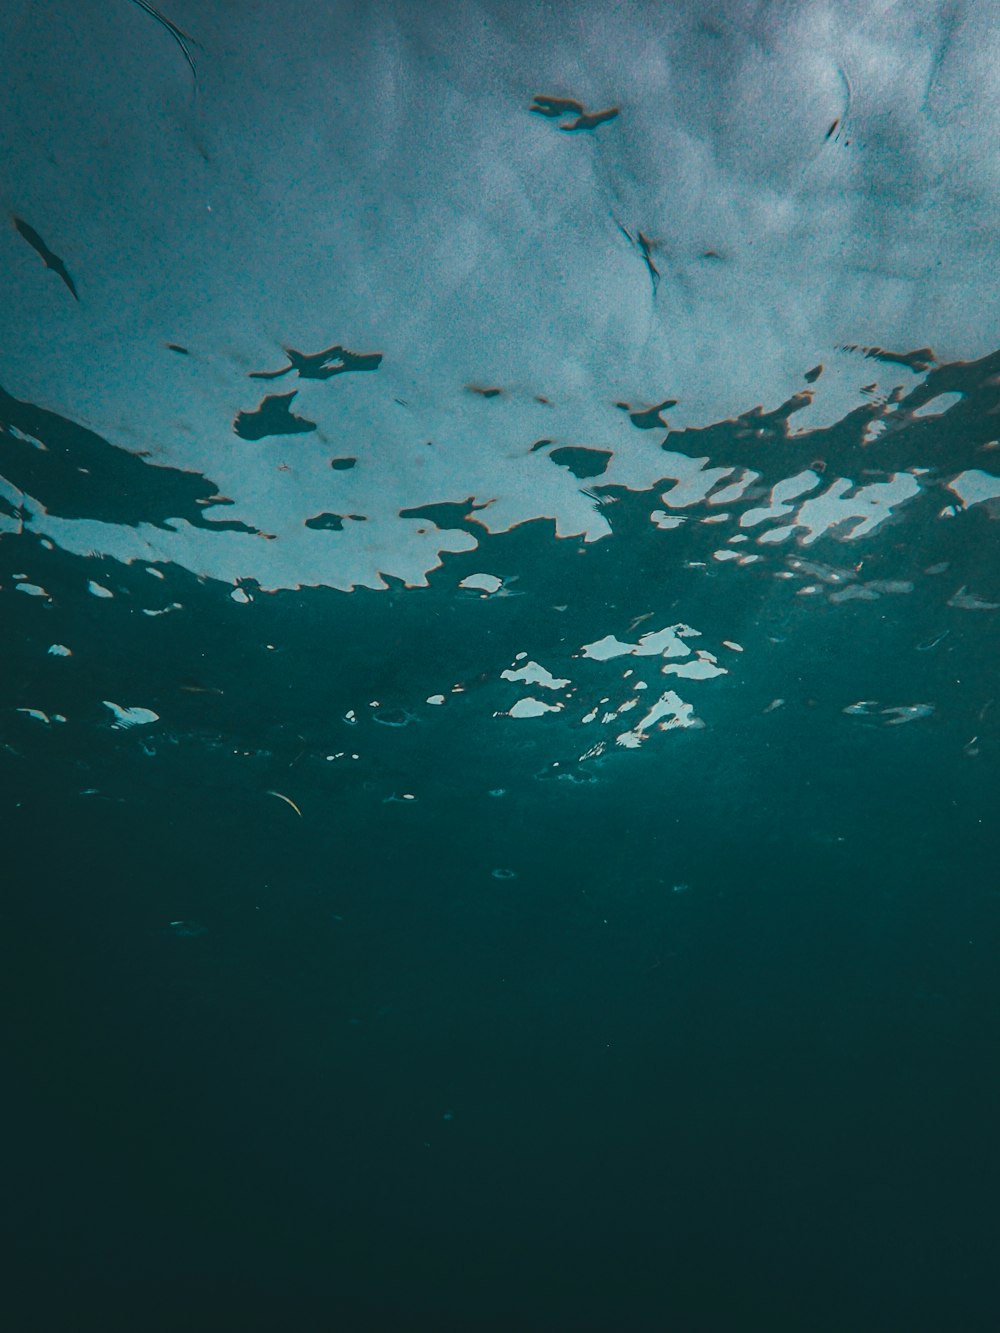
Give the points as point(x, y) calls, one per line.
point(555, 107)
point(181, 38)
point(643, 244)
point(50, 260)
point(558, 108)
point(287, 800)
point(590, 120)
point(193, 687)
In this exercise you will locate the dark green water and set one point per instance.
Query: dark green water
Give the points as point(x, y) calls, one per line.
point(721, 1054)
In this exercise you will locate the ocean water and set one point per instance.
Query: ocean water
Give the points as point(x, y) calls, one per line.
point(500, 822)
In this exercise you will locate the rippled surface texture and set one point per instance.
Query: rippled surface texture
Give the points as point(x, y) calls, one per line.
point(498, 705)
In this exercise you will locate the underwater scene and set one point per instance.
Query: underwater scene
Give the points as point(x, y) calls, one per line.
point(499, 703)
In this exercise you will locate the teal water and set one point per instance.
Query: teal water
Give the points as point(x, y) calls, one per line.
point(499, 591)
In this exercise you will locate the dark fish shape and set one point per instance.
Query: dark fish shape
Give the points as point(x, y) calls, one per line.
point(646, 250)
point(191, 686)
point(47, 257)
point(645, 247)
point(273, 417)
point(181, 38)
point(559, 108)
point(591, 120)
point(322, 365)
point(554, 107)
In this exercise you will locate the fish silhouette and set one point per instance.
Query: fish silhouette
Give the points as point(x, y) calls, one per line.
point(49, 259)
point(555, 107)
point(591, 120)
point(645, 247)
point(558, 108)
point(181, 38)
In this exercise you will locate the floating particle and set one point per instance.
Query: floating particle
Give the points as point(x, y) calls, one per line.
point(435, 699)
point(32, 589)
point(502, 873)
point(238, 595)
point(98, 589)
point(59, 650)
point(287, 800)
